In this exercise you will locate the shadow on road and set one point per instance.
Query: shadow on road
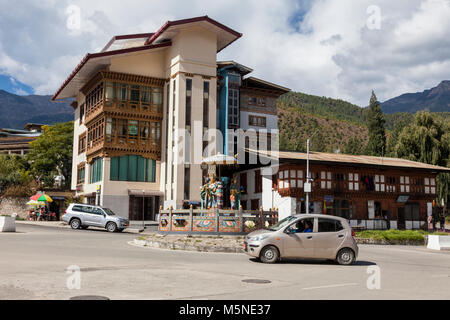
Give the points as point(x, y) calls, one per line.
point(316, 262)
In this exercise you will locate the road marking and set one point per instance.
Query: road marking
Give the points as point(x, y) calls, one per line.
point(331, 286)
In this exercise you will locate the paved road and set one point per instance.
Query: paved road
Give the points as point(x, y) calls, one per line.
point(33, 264)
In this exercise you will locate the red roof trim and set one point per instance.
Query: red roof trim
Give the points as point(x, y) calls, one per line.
point(169, 24)
point(89, 56)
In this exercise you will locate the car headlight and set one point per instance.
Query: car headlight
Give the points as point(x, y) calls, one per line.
point(259, 238)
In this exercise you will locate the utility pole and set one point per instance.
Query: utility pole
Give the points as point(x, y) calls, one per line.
point(307, 176)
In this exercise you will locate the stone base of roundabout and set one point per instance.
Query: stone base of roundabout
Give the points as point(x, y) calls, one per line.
point(224, 244)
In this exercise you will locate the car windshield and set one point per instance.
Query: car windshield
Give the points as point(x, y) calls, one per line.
point(282, 223)
point(109, 212)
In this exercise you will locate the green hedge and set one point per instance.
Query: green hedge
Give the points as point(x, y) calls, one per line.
point(393, 235)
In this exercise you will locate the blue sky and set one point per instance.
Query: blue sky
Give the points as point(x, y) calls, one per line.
point(11, 85)
point(323, 47)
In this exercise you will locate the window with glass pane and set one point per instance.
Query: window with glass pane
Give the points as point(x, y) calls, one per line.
point(132, 168)
point(146, 93)
point(109, 91)
point(122, 92)
point(206, 104)
point(233, 107)
point(133, 128)
point(134, 93)
point(188, 101)
point(96, 170)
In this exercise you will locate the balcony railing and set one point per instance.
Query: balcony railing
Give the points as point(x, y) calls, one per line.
point(124, 107)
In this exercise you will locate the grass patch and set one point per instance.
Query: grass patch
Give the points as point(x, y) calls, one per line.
point(141, 238)
point(393, 235)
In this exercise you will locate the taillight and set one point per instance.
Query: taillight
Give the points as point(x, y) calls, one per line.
point(353, 233)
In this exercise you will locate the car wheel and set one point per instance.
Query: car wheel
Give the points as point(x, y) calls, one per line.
point(111, 227)
point(345, 256)
point(75, 224)
point(269, 254)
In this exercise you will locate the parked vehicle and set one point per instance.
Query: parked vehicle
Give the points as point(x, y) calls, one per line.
point(82, 216)
point(314, 236)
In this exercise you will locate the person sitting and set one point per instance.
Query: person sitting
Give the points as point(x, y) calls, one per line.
point(307, 227)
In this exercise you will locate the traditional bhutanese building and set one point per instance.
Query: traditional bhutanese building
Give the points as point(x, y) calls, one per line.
point(371, 192)
point(135, 97)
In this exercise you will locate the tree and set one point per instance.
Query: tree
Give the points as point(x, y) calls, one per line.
point(427, 140)
point(353, 146)
point(377, 135)
point(51, 154)
point(13, 171)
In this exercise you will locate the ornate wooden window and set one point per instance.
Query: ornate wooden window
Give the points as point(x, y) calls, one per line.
point(404, 184)
point(325, 180)
point(391, 184)
point(82, 143)
point(259, 101)
point(95, 132)
point(353, 184)
point(257, 121)
point(81, 174)
point(380, 184)
point(430, 185)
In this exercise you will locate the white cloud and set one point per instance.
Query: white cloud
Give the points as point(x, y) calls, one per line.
point(327, 51)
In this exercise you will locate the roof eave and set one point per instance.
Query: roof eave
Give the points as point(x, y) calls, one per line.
point(89, 56)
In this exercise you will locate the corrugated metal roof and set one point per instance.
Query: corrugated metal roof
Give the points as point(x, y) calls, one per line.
point(352, 159)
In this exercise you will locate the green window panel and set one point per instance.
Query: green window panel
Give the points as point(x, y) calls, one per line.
point(96, 170)
point(123, 168)
point(114, 173)
point(133, 168)
point(141, 169)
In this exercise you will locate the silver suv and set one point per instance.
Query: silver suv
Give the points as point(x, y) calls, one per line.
point(82, 216)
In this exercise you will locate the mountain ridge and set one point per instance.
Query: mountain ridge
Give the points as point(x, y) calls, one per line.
point(436, 99)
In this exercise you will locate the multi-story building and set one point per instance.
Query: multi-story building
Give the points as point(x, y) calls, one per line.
point(371, 192)
point(14, 141)
point(148, 106)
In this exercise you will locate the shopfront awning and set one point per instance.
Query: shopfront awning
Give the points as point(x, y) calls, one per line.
point(146, 193)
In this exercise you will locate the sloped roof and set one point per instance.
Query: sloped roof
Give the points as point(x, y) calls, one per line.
point(351, 159)
point(253, 82)
point(131, 43)
point(225, 35)
point(91, 63)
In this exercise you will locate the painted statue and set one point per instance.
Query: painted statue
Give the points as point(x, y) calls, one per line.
point(235, 194)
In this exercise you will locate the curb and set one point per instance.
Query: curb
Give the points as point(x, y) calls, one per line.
point(387, 242)
point(185, 247)
point(63, 225)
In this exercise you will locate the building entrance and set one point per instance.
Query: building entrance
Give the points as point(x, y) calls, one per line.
point(145, 208)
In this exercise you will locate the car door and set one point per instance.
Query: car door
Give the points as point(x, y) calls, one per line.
point(296, 242)
point(97, 217)
point(329, 237)
point(86, 215)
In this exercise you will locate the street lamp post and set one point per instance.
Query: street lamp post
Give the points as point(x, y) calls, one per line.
point(143, 209)
point(307, 186)
point(307, 176)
